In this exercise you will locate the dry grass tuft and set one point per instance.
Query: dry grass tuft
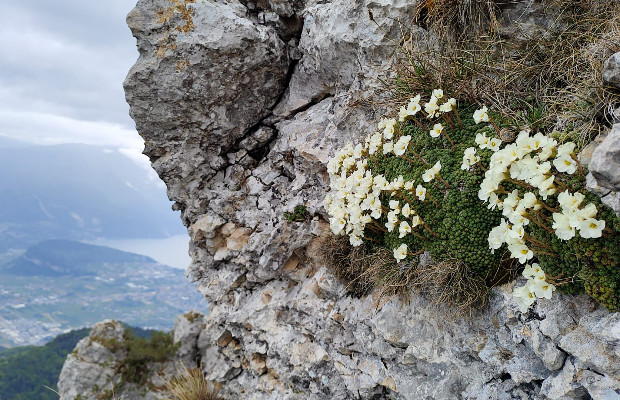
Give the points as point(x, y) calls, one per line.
point(362, 270)
point(190, 384)
point(456, 19)
point(336, 252)
point(449, 285)
point(545, 78)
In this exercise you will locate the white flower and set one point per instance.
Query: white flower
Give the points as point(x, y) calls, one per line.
point(529, 200)
point(388, 147)
point(404, 229)
point(375, 142)
point(533, 271)
point(482, 140)
point(355, 240)
point(562, 227)
point(403, 114)
point(337, 225)
point(401, 145)
point(524, 296)
point(565, 163)
point(406, 211)
point(436, 131)
point(415, 221)
point(379, 182)
point(431, 107)
point(400, 253)
point(420, 192)
point(408, 185)
point(542, 289)
point(398, 183)
point(566, 149)
point(430, 173)
point(390, 126)
point(445, 108)
point(591, 228)
point(481, 115)
point(438, 93)
point(395, 205)
point(520, 252)
point(494, 144)
point(357, 151)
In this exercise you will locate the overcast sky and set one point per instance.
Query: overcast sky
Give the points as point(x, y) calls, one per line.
point(62, 67)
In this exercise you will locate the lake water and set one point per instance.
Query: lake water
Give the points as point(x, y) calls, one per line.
point(171, 251)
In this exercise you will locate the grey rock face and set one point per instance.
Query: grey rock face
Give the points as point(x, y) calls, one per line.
point(604, 170)
point(611, 69)
point(90, 370)
point(605, 164)
point(240, 134)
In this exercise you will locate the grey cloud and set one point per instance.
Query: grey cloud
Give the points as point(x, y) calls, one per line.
point(66, 58)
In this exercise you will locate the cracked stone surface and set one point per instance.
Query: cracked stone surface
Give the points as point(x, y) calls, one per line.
point(239, 115)
point(90, 370)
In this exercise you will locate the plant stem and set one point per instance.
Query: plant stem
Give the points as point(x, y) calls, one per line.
point(546, 207)
point(416, 154)
point(432, 199)
point(407, 158)
point(450, 140)
point(448, 121)
point(495, 126)
point(441, 179)
point(458, 118)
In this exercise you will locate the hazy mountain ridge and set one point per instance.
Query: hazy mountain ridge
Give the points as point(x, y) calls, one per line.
point(64, 257)
point(76, 191)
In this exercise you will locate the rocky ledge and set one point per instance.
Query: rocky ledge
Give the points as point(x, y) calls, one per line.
point(240, 104)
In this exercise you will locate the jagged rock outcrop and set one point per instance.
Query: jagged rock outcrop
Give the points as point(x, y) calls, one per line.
point(240, 104)
point(92, 370)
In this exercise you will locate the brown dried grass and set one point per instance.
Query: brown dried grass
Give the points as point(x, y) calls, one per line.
point(546, 80)
point(190, 384)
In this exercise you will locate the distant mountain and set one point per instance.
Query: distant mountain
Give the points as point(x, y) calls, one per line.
point(66, 257)
point(75, 191)
point(59, 285)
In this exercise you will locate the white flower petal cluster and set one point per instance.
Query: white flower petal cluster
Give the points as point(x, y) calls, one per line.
point(400, 253)
point(436, 131)
point(469, 158)
point(525, 160)
point(433, 108)
point(354, 197)
point(411, 110)
point(573, 219)
point(432, 172)
point(481, 115)
point(448, 106)
point(536, 287)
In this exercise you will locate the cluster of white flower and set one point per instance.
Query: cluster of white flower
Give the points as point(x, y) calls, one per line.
point(469, 158)
point(354, 200)
point(528, 163)
point(536, 287)
point(572, 218)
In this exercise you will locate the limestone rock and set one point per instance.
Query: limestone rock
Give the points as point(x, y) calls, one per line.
point(240, 134)
point(90, 371)
point(611, 69)
point(605, 164)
